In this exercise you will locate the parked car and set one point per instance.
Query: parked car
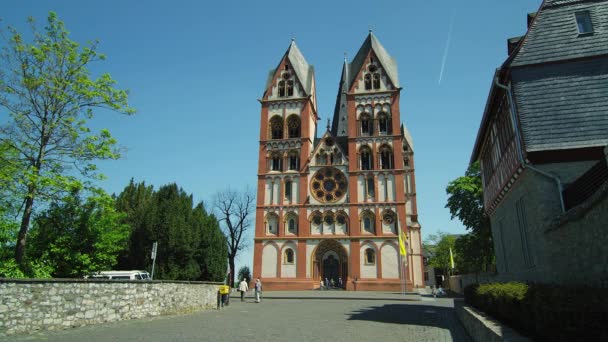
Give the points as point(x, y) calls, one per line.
point(121, 275)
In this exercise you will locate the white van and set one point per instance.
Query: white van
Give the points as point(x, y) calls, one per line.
point(121, 275)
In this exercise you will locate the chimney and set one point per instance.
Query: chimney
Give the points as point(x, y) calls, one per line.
point(512, 44)
point(531, 17)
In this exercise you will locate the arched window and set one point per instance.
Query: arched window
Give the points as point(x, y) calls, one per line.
point(368, 81)
point(370, 257)
point(329, 218)
point(341, 218)
point(288, 186)
point(322, 158)
point(293, 125)
point(294, 161)
point(288, 258)
point(366, 124)
point(337, 158)
point(275, 163)
point(366, 158)
point(386, 157)
point(276, 127)
point(367, 222)
point(317, 220)
point(292, 225)
point(383, 123)
point(369, 187)
point(272, 223)
point(281, 88)
point(376, 81)
point(290, 88)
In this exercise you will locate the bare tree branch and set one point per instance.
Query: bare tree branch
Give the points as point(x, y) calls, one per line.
point(233, 210)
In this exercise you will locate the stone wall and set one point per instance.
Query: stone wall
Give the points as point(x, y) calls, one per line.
point(32, 305)
point(550, 246)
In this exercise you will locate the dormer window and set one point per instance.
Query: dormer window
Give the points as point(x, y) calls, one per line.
point(583, 21)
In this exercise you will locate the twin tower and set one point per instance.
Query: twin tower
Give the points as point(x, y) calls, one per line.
point(331, 208)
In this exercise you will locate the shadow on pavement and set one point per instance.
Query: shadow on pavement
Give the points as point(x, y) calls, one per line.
point(420, 315)
point(350, 298)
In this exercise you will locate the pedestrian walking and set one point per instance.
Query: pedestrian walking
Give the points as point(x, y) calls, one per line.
point(321, 283)
point(258, 290)
point(243, 288)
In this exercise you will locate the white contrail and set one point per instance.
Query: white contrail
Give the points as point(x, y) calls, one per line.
point(447, 46)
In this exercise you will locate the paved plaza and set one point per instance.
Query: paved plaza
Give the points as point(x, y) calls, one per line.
point(291, 316)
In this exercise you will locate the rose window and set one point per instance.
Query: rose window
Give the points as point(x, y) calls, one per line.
point(328, 185)
point(389, 218)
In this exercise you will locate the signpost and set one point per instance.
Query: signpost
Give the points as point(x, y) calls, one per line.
point(154, 249)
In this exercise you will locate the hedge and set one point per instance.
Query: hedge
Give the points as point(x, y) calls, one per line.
point(545, 312)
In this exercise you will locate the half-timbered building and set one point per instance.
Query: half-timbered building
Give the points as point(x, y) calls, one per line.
point(542, 143)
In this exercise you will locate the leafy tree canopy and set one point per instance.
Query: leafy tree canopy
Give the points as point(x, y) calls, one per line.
point(190, 243)
point(49, 94)
point(475, 250)
point(77, 237)
point(438, 248)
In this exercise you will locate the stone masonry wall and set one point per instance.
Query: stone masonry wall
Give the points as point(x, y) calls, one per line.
point(564, 248)
point(31, 305)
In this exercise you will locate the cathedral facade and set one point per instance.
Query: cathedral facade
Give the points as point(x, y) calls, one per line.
point(331, 208)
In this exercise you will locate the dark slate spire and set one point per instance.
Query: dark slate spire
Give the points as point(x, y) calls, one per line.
point(340, 120)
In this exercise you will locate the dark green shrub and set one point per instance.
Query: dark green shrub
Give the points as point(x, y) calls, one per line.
point(545, 312)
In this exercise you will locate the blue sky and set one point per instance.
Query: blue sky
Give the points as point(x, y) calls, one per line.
point(196, 69)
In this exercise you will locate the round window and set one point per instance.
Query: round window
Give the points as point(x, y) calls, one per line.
point(328, 185)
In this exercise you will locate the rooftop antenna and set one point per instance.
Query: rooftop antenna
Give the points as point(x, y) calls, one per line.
point(328, 124)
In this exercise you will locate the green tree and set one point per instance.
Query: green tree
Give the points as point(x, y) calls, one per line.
point(77, 237)
point(244, 273)
point(465, 202)
point(190, 243)
point(438, 247)
point(49, 93)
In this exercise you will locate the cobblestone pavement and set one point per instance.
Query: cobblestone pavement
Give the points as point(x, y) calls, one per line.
point(291, 316)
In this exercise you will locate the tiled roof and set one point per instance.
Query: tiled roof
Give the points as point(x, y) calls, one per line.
point(563, 105)
point(554, 35)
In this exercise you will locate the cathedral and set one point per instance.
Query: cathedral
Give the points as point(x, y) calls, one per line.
point(330, 208)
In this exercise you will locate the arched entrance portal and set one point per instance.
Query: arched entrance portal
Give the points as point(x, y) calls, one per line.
point(330, 261)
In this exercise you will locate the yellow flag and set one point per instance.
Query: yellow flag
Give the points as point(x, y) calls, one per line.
point(451, 258)
point(402, 247)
